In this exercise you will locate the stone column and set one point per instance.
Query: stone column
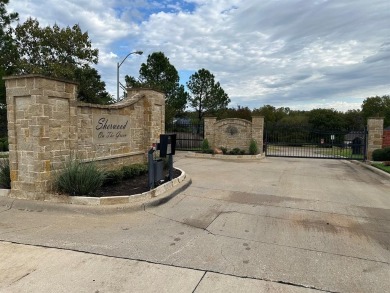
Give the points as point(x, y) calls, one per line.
point(374, 136)
point(42, 130)
point(258, 131)
point(154, 114)
point(209, 131)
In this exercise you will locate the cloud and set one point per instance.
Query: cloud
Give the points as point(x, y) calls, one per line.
point(286, 52)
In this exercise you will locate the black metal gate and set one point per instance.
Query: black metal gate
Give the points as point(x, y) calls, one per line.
point(3, 129)
point(306, 142)
point(189, 136)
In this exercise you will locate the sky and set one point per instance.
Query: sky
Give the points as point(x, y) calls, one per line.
point(302, 54)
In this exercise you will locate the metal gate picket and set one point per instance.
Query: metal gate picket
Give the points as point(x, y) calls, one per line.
point(305, 142)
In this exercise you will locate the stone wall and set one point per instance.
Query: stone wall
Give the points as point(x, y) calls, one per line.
point(234, 133)
point(47, 126)
point(139, 120)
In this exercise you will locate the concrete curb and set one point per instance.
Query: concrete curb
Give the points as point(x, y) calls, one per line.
point(373, 169)
point(113, 200)
point(5, 192)
point(91, 205)
point(225, 157)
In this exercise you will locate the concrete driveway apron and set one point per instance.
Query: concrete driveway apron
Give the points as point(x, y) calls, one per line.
point(306, 224)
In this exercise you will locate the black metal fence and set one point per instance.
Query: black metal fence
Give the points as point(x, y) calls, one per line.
point(3, 130)
point(306, 142)
point(3, 122)
point(189, 136)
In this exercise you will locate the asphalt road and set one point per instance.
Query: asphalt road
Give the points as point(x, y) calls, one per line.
point(275, 225)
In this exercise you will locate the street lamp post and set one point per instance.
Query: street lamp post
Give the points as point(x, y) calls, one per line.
point(117, 72)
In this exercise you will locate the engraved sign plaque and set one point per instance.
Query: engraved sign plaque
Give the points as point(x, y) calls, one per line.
point(110, 128)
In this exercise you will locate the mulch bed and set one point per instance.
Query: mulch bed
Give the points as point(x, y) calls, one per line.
point(130, 186)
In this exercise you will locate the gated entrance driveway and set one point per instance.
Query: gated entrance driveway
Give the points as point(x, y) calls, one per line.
point(307, 142)
point(279, 224)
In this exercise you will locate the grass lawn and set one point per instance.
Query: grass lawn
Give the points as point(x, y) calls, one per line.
point(382, 167)
point(342, 152)
point(3, 156)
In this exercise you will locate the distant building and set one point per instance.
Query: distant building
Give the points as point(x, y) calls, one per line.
point(352, 136)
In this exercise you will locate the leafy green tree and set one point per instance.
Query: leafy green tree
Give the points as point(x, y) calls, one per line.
point(60, 52)
point(295, 120)
point(326, 119)
point(132, 82)
point(207, 96)
point(53, 50)
point(377, 107)
point(8, 54)
point(354, 119)
point(239, 112)
point(7, 58)
point(158, 73)
point(272, 114)
point(91, 88)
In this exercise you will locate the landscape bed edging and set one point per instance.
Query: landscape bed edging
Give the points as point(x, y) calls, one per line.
point(113, 200)
point(125, 199)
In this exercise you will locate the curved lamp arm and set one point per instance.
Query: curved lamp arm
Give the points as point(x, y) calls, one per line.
point(117, 71)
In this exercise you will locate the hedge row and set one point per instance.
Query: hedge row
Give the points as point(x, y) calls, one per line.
point(381, 154)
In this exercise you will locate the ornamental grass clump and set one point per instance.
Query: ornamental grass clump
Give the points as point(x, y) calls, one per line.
point(206, 147)
point(77, 178)
point(5, 176)
point(253, 148)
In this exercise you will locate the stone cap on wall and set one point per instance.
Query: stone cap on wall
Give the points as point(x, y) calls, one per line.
point(131, 90)
point(138, 95)
point(39, 76)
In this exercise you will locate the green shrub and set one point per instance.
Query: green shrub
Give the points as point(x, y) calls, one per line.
point(387, 154)
point(134, 170)
point(205, 146)
point(209, 151)
point(113, 177)
point(235, 151)
point(253, 148)
point(126, 172)
point(5, 176)
point(224, 150)
point(381, 154)
point(77, 178)
point(377, 155)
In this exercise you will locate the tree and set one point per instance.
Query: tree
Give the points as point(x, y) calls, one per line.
point(158, 73)
point(272, 114)
point(7, 47)
point(326, 119)
point(207, 96)
point(51, 50)
point(377, 107)
point(60, 52)
point(7, 58)
point(239, 112)
point(91, 88)
point(354, 119)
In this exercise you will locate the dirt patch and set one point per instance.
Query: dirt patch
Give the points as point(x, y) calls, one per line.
point(132, 186)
